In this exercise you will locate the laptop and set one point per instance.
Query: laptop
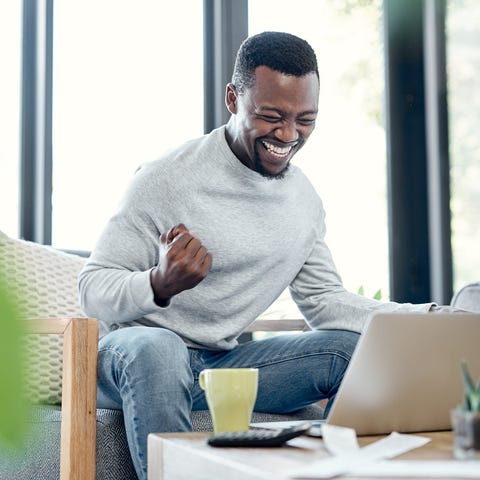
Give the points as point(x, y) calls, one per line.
point(405, 373)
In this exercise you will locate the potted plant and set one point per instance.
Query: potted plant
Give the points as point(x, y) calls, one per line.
point(466, 419)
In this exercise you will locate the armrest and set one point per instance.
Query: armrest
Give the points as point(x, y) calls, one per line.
point(79, 392)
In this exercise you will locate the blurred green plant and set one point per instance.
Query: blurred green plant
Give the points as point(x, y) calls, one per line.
point(13, 409)
point(376, 296)
point(472, 392)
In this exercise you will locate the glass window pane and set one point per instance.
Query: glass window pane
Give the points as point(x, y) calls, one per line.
point(345, 158)
point(463, 70)
point(126, 87)
point(10, 54)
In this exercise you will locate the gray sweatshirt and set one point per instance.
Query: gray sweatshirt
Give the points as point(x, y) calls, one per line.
point(264, 236)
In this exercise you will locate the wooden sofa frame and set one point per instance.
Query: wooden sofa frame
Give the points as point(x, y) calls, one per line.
point(79, 393)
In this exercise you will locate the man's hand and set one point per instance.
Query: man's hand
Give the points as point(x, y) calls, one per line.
point(183, 263)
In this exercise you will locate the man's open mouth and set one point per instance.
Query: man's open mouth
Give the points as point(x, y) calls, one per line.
point(280, 152)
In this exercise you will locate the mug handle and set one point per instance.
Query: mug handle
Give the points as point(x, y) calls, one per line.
point(201, 380)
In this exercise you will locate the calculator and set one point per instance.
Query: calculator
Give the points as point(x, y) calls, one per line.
point(258, 438)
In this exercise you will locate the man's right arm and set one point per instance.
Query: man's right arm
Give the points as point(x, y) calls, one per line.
point(131, 275)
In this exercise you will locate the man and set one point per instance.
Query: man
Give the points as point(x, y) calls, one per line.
point(205, 239)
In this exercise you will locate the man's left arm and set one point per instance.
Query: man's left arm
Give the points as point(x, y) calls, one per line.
point(321, 297)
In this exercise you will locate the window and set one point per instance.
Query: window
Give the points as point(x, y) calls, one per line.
point(463, 70)
point(126, 87)
point(10, 54)
point(345, 158)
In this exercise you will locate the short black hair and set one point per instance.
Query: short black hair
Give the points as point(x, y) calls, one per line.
point(280, 51)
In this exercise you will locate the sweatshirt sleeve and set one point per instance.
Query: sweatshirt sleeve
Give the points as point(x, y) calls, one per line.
point(326, 304)
point(114, 285)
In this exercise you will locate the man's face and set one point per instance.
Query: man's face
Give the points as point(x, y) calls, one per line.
point(272, 120)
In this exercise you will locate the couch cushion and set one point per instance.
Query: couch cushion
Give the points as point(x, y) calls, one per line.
point(44, 284)
point(45, 278)
point(40, 456)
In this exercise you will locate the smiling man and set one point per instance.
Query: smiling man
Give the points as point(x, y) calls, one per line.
point(272, 118)
point(205, 240)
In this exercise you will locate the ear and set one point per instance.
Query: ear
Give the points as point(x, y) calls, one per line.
point(231, 98)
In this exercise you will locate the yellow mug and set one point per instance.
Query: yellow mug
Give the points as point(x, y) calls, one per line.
point(231, 395)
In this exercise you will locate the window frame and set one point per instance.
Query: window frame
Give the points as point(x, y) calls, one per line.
point(417, 131)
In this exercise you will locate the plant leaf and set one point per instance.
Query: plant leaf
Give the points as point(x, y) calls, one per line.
point(467, 379)
point(378, 295)
point(475, 402)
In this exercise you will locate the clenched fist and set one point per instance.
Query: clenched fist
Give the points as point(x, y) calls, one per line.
point(183, 263)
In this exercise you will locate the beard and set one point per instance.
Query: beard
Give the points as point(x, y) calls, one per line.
point(258, 167)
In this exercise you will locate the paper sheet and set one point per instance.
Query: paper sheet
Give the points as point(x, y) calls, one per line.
point(350, 458)
point(339, 440)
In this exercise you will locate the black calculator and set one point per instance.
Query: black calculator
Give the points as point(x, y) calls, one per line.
point(258, 438)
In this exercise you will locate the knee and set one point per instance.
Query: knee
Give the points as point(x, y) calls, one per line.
point(146, 346)
point(138, 364)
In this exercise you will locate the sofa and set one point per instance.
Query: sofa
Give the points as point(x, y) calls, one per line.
point(46, 287)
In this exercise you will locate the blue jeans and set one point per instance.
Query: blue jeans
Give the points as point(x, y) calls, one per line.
point(152, 376)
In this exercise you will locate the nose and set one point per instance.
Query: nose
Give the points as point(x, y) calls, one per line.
point(287, 132)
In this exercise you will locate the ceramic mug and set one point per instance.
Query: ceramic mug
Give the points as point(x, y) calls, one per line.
point(231, 395)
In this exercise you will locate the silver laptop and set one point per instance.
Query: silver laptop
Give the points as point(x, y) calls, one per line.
point(405, 373)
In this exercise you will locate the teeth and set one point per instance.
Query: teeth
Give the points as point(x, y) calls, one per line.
point(280, 151)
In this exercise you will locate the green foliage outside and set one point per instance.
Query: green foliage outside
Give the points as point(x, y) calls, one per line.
point(376, 296)
point(13, 410)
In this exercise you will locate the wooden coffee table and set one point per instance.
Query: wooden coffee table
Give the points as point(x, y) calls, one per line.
point(186, 456)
